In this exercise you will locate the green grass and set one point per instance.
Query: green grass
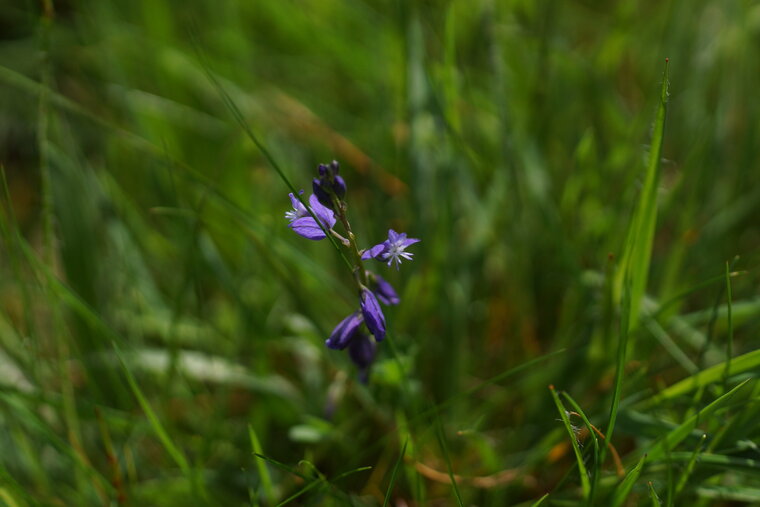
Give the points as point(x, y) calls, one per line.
point(162, 331)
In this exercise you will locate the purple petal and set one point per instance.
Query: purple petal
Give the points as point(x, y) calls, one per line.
point(308, 228)
point(344, 332)
point(324, 214)
point(374, 252)
point(373, 315)
point(295, 202)
point(385, 292)
point(405, 243)
point(392, 236)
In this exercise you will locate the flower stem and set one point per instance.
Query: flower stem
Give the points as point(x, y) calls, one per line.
point(359, 272)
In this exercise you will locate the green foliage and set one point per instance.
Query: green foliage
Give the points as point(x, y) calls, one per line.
point(162, 331)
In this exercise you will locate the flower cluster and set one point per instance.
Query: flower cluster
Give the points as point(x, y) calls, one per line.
point(363, 329)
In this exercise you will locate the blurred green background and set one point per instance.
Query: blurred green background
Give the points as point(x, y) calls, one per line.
point(159, 322)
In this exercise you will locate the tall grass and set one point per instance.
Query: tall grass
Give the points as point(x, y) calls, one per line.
point(161, 330)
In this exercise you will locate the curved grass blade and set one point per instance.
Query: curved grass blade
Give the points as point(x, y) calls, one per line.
point(597, 451)
point(540, 500)
point(667, 443)
point(624, 488)
point(158, 428)
point(740, 364)
point(585, 483)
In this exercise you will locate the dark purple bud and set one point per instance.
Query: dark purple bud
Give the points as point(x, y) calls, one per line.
point(373, 315)
point(362, 350)
point(339, 187)
point(321, 193)
point(344, 332)
point(329, 183)
point(385, 292)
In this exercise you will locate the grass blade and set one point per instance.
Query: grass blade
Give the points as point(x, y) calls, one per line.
point(689, 466)
point(638, 246)
point(730, 342)
point(266, 478)
point(394, 472)
point(447, 457)
point(624, 488)
point(653, 495)
point(585, 483)
point(741, 364)
point(158, 428)
point(667, 443)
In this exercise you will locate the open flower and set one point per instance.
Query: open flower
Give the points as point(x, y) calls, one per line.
point(304, 224)
point(392, 249)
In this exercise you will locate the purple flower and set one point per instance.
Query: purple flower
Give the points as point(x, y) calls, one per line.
point(302, 222)
point(373, 315)
point(345, 332)
point(384, 291)
point(392, 249)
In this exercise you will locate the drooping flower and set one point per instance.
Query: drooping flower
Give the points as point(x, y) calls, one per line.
point(304, 224)
point(345, 332)
point(373, 314)
point(392, 250)
point(384, 291)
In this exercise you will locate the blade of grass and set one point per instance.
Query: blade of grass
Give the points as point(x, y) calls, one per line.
point(266, 478)
point(736, 493)
point(689, 466)
point(597, 452)
point(718, 461)
point(620, 364)
point(638, 246)
point(447, 458)
point(624, 488)
point(670, 346)
point(394, 472)
point(673, 438)
point(653, 495)
point(730, 341)
point(585, 483)
point(540, 500)
point(158, 428)
point(741, 364)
